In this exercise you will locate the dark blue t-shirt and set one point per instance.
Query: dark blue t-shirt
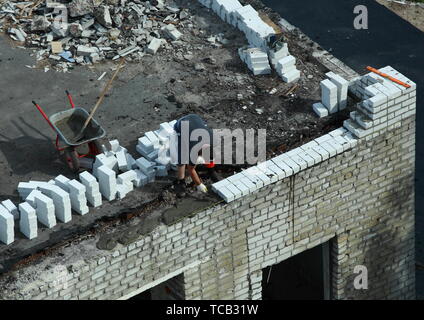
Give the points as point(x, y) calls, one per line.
point(194, 122)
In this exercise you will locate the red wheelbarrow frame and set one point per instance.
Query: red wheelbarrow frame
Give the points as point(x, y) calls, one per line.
point(93, 150)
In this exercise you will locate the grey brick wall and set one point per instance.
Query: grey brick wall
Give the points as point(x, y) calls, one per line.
point(362, 200)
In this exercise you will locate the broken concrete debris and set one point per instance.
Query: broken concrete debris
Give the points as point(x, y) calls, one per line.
point(96, 29)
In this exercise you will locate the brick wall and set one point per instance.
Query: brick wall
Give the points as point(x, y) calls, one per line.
point(361, 199)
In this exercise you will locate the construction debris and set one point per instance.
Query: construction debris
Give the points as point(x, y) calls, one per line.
point(96, 29)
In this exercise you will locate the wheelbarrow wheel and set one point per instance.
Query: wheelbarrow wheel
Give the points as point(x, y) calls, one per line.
point(71, 158)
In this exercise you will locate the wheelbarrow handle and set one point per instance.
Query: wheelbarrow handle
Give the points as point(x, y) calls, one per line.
point(70, 99)
point(43, 114)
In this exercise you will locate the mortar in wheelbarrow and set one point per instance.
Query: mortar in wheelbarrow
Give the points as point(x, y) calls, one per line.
point(68, 125)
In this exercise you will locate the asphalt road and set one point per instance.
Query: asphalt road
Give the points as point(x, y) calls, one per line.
point(389, 40)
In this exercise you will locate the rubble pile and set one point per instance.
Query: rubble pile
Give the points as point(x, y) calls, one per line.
point(88, 31)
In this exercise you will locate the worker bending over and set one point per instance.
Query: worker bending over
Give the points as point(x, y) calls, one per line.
point(184, 128)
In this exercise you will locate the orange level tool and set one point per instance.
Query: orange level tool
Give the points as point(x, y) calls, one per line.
point(388, 77)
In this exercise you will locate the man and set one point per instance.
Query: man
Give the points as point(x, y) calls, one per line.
point(184, 128)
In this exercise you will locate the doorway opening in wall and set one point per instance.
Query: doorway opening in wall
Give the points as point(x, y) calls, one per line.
point(171, 289)
point(305, 276)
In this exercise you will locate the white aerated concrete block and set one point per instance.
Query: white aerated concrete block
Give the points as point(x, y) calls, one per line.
point(153, 138)
point(172, 32)
point(152, 156)
point(130, 162)
point(342, 88)
point(285, 62)
point(145, 145)
point(61, 201)
point(108, 160)
point(11, 208)
point(154, 45)
point(121, 191)
point(92, 192)
point(277, 54)
point(78, 199)
point(114, 145)
point(127, 178)
point(31, 198)
point(166, 128)
point(320, 109)
point(141, 179)
point(329, 95)
point(62, 182)
point(28, 220)
point(45, 210)
point(107, 182)
point(25, 188)
point(7, 225)
point(145, 166)
point(122, 160)
point(291, 76)
point(256, 60)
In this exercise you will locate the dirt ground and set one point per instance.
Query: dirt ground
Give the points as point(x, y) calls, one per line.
point(409, 11)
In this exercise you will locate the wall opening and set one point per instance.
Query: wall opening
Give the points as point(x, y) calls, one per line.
point(305, 276)
point(171, 289)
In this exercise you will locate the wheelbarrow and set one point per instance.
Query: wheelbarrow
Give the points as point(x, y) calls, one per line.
point(67, 124)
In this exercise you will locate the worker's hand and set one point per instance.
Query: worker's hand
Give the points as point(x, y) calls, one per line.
point(202, 188)
point(200, 160)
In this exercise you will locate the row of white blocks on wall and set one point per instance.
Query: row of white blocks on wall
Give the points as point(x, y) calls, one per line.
point(285, 165)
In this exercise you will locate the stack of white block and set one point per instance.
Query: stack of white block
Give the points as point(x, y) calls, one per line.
point(277, 54)
point(125, 183)
point(61, 200)
point(107, 182)
point(78, 199)
point(155, 147)
point(333, 95)
point(286, 68)
point(256, 60)
point(28, 221)
point(9, 206)
point(7, 225)
point(92, 188)
point(44, 208)
point(147, 168)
